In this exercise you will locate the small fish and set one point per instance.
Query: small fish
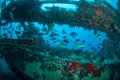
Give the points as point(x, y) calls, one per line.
point(95, 50)
point(44, 29)
point(61, 46)
point(95, 31)
point(106, 42)
point(4, 29)
point(63, 31)
point(56, 34)
point(89, 44)
point(98, 47)
point(47, 41)
point(53, 38)
point(18, 27)
point(9, 31)
point(11, 15)
point(97, 36)
point(4, 34)
point(64, 37)
point(66, 40)
point(73, 34)
point(13, 9)
point(77, 40)
point(81, 45)
point(54, 41)
point(10, 27)
point(92, 48)
point(53, 34)
point(48, 44)
point(17, 32)
point(83, 41)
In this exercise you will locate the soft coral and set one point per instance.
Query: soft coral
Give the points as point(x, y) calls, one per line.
point(74, 64)
point(91, 68)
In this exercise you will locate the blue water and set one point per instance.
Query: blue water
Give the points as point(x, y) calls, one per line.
point(112, 2)
point(87, 37)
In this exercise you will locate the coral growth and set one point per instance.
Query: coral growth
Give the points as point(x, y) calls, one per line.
point(98, 12)
point(91, 68)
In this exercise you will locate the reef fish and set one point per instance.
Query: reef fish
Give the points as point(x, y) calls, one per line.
point(66, 40)
point(97, 36)
point(81, 45)
point(61, 45)
point(77, 40)
point(18, 27)
point(73, 34)
point(63, 31)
